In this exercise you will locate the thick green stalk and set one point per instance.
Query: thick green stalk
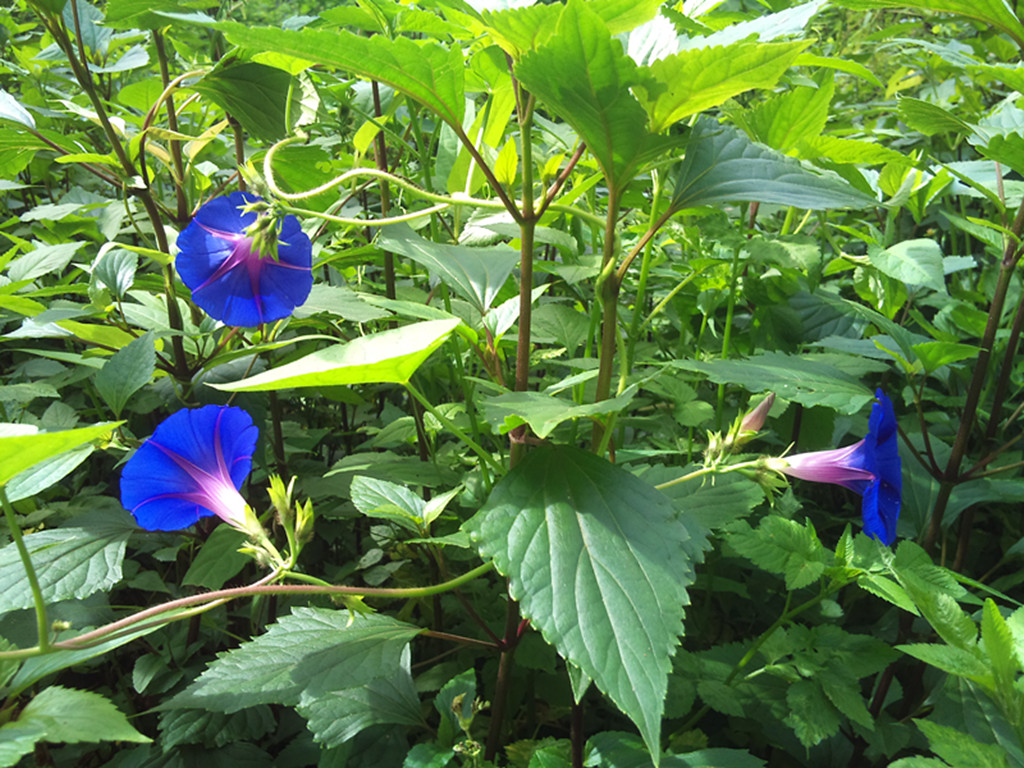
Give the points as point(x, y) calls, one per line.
point(42, 624)
point(608, 294)
point(527, 225)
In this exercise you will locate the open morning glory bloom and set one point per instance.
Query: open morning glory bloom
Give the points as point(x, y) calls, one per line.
point(240, 268)
point(191, 467)
point(871, 468)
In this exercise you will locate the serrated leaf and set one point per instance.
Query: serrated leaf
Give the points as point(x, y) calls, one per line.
point(888, 590)
point(599, 562)
point(959, 749)
point(800, 378)
point(592, 91)
point(798, 114)
point(722, 165)
point(339, 301)
point(694, 80)
point(785, 547)
point(811, 715)
point(935, 354)
point(843, 690)
point(426, 71)
point(610, 749)
point(126, 372)
point(478, 274)
point(69, 563)
point(72, 716)
point(389, 501)
point(720, 697)
point(336, 716)
point(388, 356)
point(18, 739)
point(1000, 648)
point(930, 119)
point(41, 476)
point(312, 648)
point(197, 726)
point(43, 260)
point(715, 504)
point(116, 270)
point(955, 661)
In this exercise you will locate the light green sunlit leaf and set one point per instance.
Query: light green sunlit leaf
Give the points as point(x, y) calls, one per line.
point(68, 715)
point(18, 452)
point(389, 356)
point(592, 91)
point(692, 81)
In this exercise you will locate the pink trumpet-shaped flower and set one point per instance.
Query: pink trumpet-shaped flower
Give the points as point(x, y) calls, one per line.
point(871, 468)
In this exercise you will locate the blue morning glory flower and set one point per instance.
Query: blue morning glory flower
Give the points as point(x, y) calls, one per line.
point(191, 467)
point(241, 269)
point(871, 468)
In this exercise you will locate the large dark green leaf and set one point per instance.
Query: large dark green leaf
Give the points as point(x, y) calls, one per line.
point(252, 93)
point(599, 562)
point(722, 165)
point(476, 273)
point(800, 378)
point(69, 563)
point(313, 649)
point(592, 90)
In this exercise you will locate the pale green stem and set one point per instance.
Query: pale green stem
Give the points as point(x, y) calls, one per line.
point(709, 471)
point(42, 625)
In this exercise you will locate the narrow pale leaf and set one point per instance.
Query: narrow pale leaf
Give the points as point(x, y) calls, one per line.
point(21, 451)
point(388, 356)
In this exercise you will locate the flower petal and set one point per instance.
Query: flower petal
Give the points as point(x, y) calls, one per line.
point(870, 467)
point(191, 467)
point(230, 281)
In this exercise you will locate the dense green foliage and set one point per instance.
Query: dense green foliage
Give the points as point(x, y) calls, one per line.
point(559, 252)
